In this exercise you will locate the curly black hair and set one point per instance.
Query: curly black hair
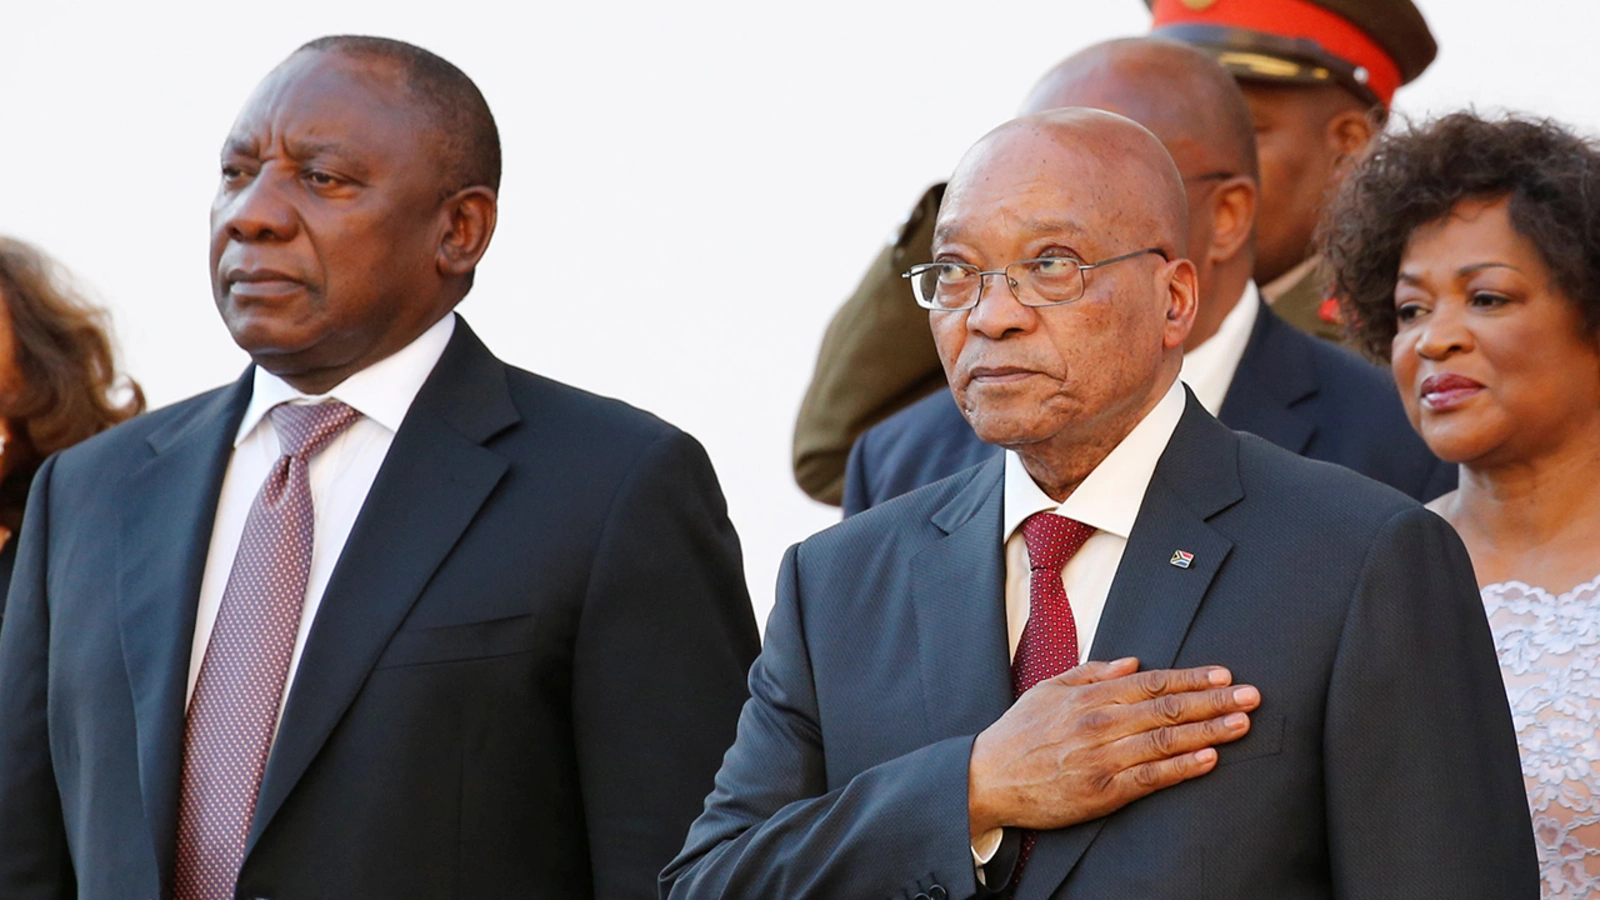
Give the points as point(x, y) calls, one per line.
point(1417, 175)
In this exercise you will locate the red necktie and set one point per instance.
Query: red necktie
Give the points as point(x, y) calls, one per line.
point(234, 711)
point(1049, 644)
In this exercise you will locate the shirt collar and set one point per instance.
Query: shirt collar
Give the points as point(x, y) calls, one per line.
point(1110, 497)
point(382, 392)
point(1209, 368)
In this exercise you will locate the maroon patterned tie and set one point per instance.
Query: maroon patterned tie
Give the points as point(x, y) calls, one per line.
point(1049, 644)
point(234, 711)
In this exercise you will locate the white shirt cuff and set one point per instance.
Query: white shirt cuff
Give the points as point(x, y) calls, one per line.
point(985, 847)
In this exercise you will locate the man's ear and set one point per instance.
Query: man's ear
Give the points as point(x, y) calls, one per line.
point(1349, 132)
point(1233, 217)
point(471, 214)
point(1183, 299)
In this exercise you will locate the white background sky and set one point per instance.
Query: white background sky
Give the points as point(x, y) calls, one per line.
point(690, 188)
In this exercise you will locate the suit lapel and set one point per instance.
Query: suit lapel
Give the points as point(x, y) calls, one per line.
point(1275, 376)
point(958, 592)
point(165, 535)
point(1152, 601)
point(437, 474)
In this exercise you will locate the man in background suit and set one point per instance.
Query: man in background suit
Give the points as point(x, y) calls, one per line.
point(386, 617)
point(1319, 76)
point(919, 725)
point(1247, 366)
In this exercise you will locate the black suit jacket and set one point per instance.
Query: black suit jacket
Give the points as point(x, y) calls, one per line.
point(523, 673)
point(1381, 762)
point(1301, 393)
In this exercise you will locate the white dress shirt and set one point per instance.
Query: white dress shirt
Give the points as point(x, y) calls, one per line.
point(1208, 369)
point(340, 476)
point(1108, 500)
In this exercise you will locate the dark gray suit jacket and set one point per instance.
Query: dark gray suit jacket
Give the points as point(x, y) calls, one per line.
point(1381, 763)
point(1299, 392)
point(525, 668)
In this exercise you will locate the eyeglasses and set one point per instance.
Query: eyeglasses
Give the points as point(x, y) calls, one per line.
point(1050, 281)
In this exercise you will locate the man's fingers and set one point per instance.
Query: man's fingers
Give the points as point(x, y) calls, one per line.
point(1147, 778)
point(1179, 709)
point(1095, 671)
point(1162, 682)
point(1122, 682)
point(1176, 740)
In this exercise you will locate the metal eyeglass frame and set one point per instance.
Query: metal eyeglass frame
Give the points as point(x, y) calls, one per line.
point(911, 276)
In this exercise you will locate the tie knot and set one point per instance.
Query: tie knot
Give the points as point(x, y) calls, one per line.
point(1053, 539)
point(304, 430)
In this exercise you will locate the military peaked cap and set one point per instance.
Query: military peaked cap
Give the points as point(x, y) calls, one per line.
point(1369, 47)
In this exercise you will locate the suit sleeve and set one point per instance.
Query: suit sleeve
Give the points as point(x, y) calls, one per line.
point(877, 358)
point(34, 860)
point(1424, 786)
point(774, 828)
point(665, 641)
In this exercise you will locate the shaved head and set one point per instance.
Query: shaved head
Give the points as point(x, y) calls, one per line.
point(1110, 161)
point(1181, 95)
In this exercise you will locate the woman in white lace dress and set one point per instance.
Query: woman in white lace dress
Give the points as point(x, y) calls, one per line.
point(1467, 252)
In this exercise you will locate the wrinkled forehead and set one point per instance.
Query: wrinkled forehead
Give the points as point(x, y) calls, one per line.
point(1029, 182)
point(327, 95)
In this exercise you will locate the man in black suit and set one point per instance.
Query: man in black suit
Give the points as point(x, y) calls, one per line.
point(386, 617)
point(1248, 367)
point(889, 749)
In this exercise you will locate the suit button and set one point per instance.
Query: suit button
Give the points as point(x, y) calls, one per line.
point(937, 892)
point(921, 896)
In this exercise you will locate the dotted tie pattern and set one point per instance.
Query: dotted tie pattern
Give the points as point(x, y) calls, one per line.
point(234, 711)
point(1049, 643)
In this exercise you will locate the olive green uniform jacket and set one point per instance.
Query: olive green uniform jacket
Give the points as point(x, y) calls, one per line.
point(1303, 303)
point(877, 358)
